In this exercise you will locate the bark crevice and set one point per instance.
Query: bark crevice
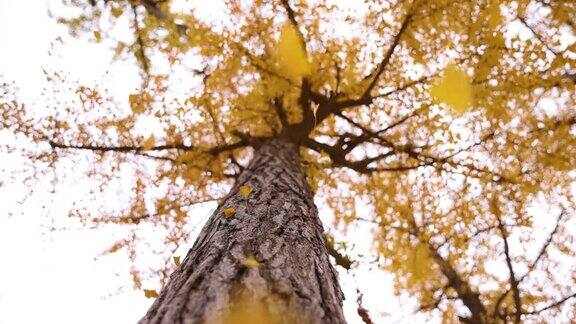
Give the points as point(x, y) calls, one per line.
point(277, 224)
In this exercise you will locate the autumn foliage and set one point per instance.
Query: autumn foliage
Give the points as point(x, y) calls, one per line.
point(448, 126)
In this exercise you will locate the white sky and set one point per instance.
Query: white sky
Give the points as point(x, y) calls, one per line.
point(50, 277)
point(55, 276)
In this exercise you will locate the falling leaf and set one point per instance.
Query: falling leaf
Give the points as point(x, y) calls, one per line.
point(229, 211)
point(245, 190)
point(245, 308)
point(150, 293)
point(177, 261)
point(291, 55)
point(149, 143)
point(453, 89)
point(97, 35)
point(250, 262)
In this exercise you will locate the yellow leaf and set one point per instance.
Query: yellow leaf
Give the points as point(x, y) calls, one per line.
point(138, 102)
point(250, 262)
point(418, 263)
point(229, 211)
point(192, 174)
point(116, 11)
point(291, 55)
point(150, 293)
point(245, 191)
point(149, 143)
point(177, 261)
point(97, 35)
point(453, 89)
point(244, 308)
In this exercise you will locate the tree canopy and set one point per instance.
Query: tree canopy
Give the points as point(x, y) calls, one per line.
point(449, 126)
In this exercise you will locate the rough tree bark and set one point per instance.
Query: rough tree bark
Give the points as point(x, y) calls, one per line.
point(278, 225)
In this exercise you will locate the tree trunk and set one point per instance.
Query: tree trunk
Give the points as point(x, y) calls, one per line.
point(278, 226)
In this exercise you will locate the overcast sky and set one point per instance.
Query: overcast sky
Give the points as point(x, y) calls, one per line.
point(57, 276)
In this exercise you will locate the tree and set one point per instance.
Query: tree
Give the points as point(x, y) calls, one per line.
point(451, 120)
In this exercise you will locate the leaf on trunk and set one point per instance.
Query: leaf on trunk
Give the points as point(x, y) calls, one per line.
point(229, 211)
point(245, 190)
point(177, 261)
point(250, 262)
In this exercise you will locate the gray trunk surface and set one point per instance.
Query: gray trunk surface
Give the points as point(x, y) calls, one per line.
point(278, 224)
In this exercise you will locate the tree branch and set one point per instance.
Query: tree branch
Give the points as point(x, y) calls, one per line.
point(537, 36)
point(338, 157)
point(141, 48)
point(533, 265)
point(434, 304)
point(466, 294)
point(426, 159)
point(341, 259)
point(478, 232)
point(153, 9)
point(463, 289)
point(513, 281)
point(553, 305)
point(361, 310)
point(382, 66)
point(139, 149)
point(544, 247)
point(254, 61)
point(277, 105)
point(292, 17)
point(568, 22)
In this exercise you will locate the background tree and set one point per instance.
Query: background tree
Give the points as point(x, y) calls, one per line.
point(442, 123)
